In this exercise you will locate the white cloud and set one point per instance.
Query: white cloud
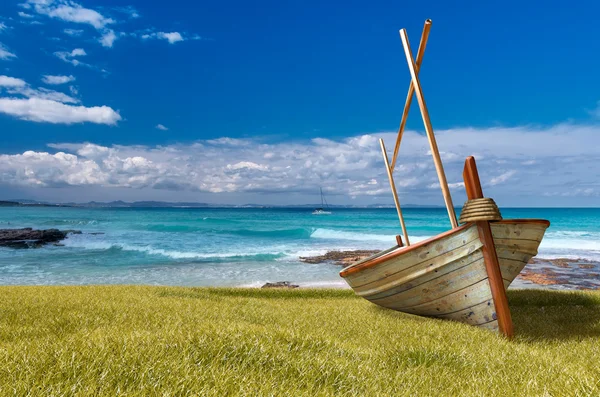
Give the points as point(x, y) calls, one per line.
point(172, 37)
point(161, 127)
point(17, 86)
point(73, 32)
point(5, 54)
point(129, 11)
point(108, 38)
point(57, 80)
point(6, 81)
point(455, 185)
point(73, 12)
point(51, 111)
point(247, 164)
point(78, 52)
point(502, 177)
point(45, 105)
point(43, 93)
point(69, 11)
point(225, 141)
point(3, 26)
point(71, 57)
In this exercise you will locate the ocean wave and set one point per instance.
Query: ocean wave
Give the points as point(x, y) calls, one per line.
point(275, 233)
point(173, 228)
point(173, 254)
point(355, 236)
point(359, 236)
point(573, 234)
point(78, 222)
point(570, 244)
point(571, 248)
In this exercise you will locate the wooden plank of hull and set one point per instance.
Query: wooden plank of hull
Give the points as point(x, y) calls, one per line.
point(439, 287)
point(492, 325)
point(519, 230)
point(479, 314)
point(457, 300)
point(415, 274)
point(516, 243)
point(510, 268)
point(414, 257)
point(423, 282)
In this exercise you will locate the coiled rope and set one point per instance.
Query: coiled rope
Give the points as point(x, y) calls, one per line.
point(481, 209)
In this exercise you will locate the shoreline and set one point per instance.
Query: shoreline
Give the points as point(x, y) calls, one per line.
point(540, 273)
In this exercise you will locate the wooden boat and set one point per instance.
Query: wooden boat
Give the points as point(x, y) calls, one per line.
point(461, 274)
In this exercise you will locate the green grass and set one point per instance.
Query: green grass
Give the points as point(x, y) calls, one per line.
point(191, 341)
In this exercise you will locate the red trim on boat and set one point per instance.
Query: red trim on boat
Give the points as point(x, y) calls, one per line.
point(401, 251)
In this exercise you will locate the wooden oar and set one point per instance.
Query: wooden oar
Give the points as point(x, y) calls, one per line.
point(394, 193)
point(429, 129)
point(411, 90)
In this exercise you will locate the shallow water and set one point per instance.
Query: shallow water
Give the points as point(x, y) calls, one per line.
point(230, 247)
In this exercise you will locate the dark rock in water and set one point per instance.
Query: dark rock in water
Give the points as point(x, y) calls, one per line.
point(29, 238)
point(340, 258)
point(280, 284)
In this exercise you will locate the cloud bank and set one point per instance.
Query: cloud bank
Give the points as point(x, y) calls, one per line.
point(515, 163)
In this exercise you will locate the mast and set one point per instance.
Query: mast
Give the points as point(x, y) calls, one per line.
point(321, 189)
point(411, 91)
point(429, 129)
point(394, 193)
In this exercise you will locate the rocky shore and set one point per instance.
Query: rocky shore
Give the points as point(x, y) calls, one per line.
point(340, 258)
point(30, 238)
point(559, 273)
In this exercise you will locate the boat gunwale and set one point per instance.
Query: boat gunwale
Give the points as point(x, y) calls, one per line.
point(357, 267)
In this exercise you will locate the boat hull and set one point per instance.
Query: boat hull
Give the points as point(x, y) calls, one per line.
point(445, 277)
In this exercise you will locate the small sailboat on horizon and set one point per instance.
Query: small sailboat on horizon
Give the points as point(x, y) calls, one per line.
point(324, 208)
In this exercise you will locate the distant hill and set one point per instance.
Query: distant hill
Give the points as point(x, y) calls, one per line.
point(163, 204)
point(9, 204)
point(29, 203)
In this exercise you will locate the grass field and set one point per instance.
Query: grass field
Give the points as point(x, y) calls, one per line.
point(190, 341)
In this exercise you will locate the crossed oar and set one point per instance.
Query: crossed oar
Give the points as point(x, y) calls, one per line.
point(415, 86)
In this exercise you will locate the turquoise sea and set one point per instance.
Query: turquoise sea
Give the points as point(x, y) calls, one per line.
point(238, 247)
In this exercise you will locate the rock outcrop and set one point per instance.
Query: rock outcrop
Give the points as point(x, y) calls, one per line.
point(30, 238)
point(340, 258)
point(280, 284)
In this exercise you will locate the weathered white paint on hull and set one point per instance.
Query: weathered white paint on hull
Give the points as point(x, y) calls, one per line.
point(446, 277)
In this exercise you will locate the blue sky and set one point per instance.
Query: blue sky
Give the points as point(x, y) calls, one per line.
point(264, 102)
